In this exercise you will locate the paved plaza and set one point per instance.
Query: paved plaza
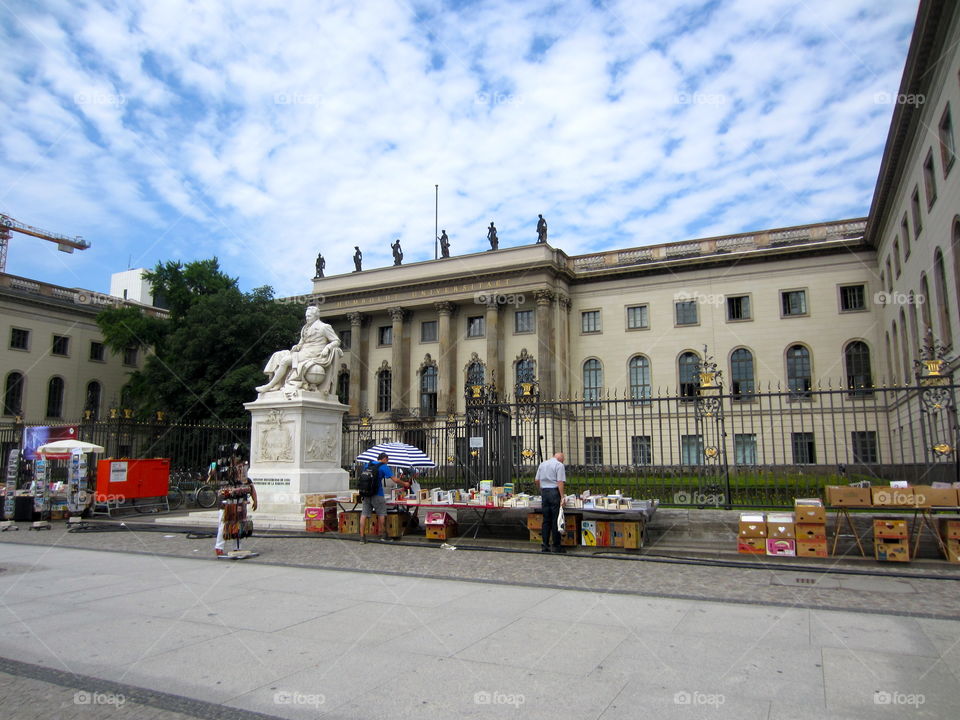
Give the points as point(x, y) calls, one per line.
point(136, 624)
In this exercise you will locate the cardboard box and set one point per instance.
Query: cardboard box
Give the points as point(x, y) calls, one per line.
point(950, 529)
point(809, 510)
point(781, 547)
point(753, 525)
point(328, 524)
point(892, 497)
point(811, 532)
point(535, 521)
point(780, 529)
point(439, 517)
point(812, 549)
point(445, 532)
point(953, 550)
point(632, 535)
point(319, 513)
point(348, 522)
point(892, 551)
point(588, 533)
point(603, 533)
point(844, 496)
point(752, 545)
point(890, 528)
point(927, 496)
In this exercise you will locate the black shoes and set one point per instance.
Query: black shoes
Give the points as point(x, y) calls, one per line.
point(560, 550)
point(544, 549)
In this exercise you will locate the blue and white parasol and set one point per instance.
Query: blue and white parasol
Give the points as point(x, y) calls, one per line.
point(400, 454)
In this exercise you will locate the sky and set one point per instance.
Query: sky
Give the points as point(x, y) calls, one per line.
point(264, 133)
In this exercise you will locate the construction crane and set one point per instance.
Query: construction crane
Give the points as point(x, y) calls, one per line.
point(64, 243)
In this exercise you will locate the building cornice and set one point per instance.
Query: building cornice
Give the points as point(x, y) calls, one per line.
point(926, 44)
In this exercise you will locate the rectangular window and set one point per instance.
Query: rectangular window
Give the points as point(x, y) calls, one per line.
point(794, 302)
point(889, 276)
point(804, 452)
point(638, 317)
point(915, 206)
point(96, 351)
point(523, 321)
point(745, 448)
point(476, 326)
point(905, 237)
point(864, 444)
point(385, 335)
point(948, 150)
point(384, 391)
point(593, 450)
point(428, 331)
point(641, 450)
point(853, 298)
point(346, 339)
point(61, 345)
point(929, 180)
point(738, 307)
point(590, 321)
point(896, 255)
point(686, 312)
point(19, 339)
point(130, 356)
point(691, 449)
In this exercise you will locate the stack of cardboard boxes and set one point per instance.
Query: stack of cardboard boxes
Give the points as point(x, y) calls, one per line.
point(811, 527)
point(320, 512)
point(890, 539)
point(802, 533)
point(950, 532)
point(572, 523)
point(440, 525)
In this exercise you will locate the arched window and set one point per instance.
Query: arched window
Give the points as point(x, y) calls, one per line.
point(475, 373)
point(428, 391)
point(904, 343)
point(741, 374)
point(943, 300)
point(525, 370)
point(639, 379)
point(895, 371)
point(343, 387)
point(856, 358)
point(688, 365)
point(592, 382)
point(92, 402)
point(384, 391)
point(886, 342)
point(924, 301)
point(55, 397)
point(13, 394)
point(799, 377)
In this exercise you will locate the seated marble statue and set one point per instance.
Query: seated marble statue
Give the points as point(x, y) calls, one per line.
point(308, 365)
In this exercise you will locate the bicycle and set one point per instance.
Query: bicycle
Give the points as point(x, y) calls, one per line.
point(199, 490)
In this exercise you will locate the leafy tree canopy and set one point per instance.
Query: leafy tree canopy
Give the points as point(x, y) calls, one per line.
point(208, 355)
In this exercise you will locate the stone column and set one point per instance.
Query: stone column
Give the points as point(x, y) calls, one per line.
point(446, 393)
point(358, 364)
point(546, 359)
point(493, 359)
point(398, 367)
point(562, 384)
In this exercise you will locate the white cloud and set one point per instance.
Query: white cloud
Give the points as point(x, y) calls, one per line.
point(265, 132)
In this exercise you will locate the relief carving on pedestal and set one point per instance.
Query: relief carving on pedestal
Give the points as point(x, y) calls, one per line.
point(322, 444)
point(276, 438)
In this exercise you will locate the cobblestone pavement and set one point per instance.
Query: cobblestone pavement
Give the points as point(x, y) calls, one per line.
point(919, 589)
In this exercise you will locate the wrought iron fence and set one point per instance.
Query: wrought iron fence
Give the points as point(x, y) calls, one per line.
point(708, 448)
point(189, 446)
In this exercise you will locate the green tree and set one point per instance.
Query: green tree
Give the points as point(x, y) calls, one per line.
point(208, 354)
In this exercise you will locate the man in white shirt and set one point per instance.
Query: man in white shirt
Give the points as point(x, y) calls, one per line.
point(551, 477)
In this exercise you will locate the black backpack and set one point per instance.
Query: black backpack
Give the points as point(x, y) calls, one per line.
point(369, 481)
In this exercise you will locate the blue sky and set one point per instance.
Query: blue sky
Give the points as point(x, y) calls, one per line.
point(264, 133)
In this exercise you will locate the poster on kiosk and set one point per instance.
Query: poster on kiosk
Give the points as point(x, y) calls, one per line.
point(13, 467)
point(41, 474)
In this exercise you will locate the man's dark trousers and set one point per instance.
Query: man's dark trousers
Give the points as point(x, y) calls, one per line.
point(551, 509)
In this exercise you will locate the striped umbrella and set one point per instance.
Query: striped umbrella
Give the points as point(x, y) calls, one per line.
point(400, 454)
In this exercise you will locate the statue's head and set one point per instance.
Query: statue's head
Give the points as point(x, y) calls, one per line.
point(312, 312)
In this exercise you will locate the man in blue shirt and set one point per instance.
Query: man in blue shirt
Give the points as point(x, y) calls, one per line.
point(378, 503)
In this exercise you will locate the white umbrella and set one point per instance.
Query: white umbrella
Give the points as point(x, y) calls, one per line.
point(65, 447)
point(400, 454)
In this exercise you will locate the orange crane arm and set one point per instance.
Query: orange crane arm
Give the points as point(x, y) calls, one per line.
point(64, 243)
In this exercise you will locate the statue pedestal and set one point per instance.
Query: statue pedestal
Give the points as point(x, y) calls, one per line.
point(295, 449)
